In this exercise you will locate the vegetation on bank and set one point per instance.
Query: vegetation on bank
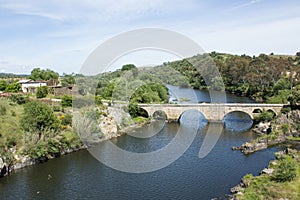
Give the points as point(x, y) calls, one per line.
point(265, 78)
point(282, 183)
point(33, 129)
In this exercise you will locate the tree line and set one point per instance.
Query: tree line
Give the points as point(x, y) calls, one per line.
point(265, 78)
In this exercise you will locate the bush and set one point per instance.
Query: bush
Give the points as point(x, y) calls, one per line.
point(18, 98)
point(285, 110)
point(264, 116)
point(70, 139)
point(67, 120)
point(66, 101)
point(285, 128)
point(98, 100)
point(53, 146)
point(13, 87)
point(38, 151)
point(56, 108)
point(286, 170)
point(42, 92)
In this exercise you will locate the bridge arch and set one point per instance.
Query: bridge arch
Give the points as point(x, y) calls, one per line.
point(236, 121)
point(270, 110)
point(192, 115)
point(160, 114)
point(237, 111)
point(257, 110)
point(143, 112)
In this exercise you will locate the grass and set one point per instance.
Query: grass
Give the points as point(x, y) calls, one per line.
point(9, 121)
point(264, 187)
point(140, 119)
point(293, 138)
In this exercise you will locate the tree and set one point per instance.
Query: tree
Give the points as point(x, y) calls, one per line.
point(42, 92)
point(281, 84)
point(68, 80)
point(130, 67)
point(294, 97)
point(40, 74)
point(38, 118)
point(133, 109)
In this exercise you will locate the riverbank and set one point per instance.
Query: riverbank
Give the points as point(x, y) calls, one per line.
point(111, 126)
point(285, 128)
point(280, 180)
point(274, 181)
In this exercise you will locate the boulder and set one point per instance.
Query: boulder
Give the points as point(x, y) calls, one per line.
point(268, 171)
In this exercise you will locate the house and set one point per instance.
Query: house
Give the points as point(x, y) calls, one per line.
point(30, 85)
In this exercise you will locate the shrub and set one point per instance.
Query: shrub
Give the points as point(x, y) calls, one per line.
point(42, 92)
point(285, 128)
point(66, 101)
point(264, 116)
point(70, 139)
point(98, 100)
point(38, 151)
point(53, 146)
point(285, 110)
point(286, 170)
point(56, 108)
point(18, 98)
point(67, 120)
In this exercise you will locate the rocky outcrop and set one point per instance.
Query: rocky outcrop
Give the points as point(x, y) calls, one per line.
point(250, 147)
point(291, 119)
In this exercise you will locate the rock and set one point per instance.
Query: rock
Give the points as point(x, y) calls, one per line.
point(1, 163)
point(235, 189)
point(3, 168)
point(262, 128)
point(268, 171)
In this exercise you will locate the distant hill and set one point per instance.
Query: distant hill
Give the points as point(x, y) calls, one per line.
point(11, 75)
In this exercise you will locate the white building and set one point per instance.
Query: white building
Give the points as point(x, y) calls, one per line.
point(30, 85)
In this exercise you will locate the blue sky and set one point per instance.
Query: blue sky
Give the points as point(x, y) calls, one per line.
point(60, 34)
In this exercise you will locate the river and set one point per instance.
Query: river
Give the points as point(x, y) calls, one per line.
point(80, 176)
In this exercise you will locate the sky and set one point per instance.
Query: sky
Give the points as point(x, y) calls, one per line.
point(61, 34)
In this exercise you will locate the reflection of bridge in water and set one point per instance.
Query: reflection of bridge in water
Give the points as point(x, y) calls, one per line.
point(211, 111)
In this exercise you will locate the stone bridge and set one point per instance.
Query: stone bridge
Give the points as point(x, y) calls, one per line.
point(211, 111)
